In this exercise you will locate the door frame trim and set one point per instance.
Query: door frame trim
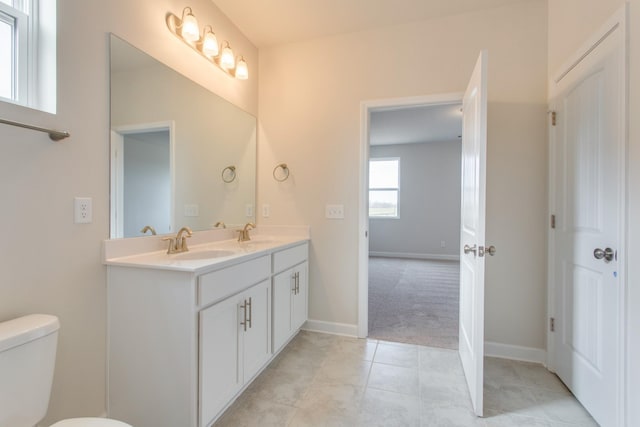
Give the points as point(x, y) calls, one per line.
point(366, 107)
point(618, 20)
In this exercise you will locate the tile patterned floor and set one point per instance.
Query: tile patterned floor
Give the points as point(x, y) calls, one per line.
point(331, 381)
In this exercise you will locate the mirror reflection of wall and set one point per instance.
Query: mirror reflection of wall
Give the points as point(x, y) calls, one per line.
point(147, 182)
point(208, 134)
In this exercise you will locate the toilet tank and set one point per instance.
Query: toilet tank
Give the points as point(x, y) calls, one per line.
point(27, 358)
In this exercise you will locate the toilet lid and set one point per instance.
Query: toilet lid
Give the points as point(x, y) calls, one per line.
point(90, 422)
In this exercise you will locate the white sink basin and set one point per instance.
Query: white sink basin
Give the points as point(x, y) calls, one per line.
point(205, 254)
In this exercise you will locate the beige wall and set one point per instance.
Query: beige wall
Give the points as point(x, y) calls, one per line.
point(49, 264)
point(310, 96)
point(570, 23)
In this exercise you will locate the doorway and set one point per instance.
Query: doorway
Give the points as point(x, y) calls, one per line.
point(414, 223)
point(142, 180)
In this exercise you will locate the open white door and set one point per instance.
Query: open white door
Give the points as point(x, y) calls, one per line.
point(472, 231)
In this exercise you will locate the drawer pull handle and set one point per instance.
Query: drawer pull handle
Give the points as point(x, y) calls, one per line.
point(250, 312)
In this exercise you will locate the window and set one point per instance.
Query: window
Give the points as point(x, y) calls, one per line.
point(384, 188)
point(27, 53)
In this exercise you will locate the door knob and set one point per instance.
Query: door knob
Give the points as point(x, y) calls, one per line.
point(491, 250)
point(606, 253)
point(468, 249)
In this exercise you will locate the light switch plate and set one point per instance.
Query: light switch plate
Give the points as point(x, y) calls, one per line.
point(248, 211)
point(334, 211)
point(266, 211)
point(191, 210)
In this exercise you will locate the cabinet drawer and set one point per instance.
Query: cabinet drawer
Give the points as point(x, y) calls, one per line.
point(290, 257)
point(220, 284)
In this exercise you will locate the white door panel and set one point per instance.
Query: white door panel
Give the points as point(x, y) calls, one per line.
point(472, 231)
point(589, 140)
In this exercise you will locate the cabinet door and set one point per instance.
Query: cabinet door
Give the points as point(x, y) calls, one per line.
point(256, 339)
point(301, 297)
point(220, 373)
point(283, 287)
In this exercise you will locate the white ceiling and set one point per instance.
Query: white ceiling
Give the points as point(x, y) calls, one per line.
point(274, 22)
point(411, 125)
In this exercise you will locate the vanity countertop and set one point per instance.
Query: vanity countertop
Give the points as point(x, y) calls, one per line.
point(208, 256)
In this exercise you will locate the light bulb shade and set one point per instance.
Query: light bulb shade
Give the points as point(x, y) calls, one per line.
point(227, 60)
point(242, 72)
point(189, 29)
point(210, 44)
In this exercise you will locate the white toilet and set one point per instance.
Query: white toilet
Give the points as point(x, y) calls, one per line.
point(27, 358)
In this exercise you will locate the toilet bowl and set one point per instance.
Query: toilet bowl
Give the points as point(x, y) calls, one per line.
point(90, 422)
point(27, 359)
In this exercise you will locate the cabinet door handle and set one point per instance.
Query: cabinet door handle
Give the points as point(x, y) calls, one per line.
point(293, 279)
point(244, 307)
point(297, 282)
point(250, 312)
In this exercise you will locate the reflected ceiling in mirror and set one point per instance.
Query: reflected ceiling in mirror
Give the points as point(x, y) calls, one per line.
point(172, 142)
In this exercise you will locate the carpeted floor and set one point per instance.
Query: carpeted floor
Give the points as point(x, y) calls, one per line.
point(414, 301)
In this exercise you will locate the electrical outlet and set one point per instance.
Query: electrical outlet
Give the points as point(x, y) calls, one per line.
point(248, 211)
point(266, 211)
point(443, 244)
point(334, 211)
point(83, 210)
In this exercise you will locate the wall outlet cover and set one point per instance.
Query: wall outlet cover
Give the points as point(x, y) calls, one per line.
point(83, 210)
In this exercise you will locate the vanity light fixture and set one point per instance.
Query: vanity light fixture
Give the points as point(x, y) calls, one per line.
point(206, 44)
point(242, 72)
point(189, 26)
point(209, 43)
point(227, 61)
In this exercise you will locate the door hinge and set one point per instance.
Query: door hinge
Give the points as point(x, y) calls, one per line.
point(553, 118)
point(552, 324)
point(553, 221)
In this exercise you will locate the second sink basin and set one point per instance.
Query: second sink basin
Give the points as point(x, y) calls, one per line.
point(206, 254)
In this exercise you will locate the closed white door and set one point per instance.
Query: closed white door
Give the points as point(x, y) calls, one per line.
point(587, 177)
point(472, 231)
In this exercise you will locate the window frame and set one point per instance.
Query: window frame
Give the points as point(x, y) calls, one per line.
point(389, 189)
point(24, 73)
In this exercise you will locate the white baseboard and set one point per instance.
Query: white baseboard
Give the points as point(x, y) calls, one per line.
point(437, 257)
point(491, 349)
point(515, 352)
point(331, 328)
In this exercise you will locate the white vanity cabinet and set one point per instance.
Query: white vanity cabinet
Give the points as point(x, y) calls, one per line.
point(290, 293)
point(234, 345)
point(183, 342)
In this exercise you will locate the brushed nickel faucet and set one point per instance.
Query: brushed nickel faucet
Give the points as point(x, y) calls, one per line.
point(243, 235)
point(179, 243)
